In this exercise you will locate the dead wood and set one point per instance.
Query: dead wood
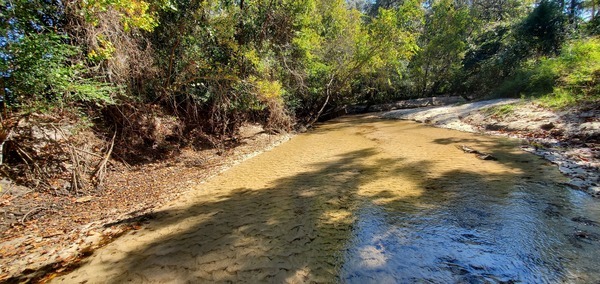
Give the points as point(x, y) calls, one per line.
point(87, 152)
point(34, 210)
point(480, 155)
point(77, 180)
point(100, 172)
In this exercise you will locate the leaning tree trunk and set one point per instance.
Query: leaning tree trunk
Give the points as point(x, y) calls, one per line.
point(328, 92)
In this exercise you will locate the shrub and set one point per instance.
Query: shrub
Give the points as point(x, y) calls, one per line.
point(570, 78)
point(39, 74)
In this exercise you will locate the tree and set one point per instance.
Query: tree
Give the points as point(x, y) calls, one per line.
point(443, 45)
point(340, 48)
point(38, 64)
point(544, 28)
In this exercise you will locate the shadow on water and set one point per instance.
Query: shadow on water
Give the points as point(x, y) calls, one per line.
point(370, 216)
point(470, 227)
point(295, 230)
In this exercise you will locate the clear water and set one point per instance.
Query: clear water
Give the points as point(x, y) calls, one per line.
point(364, 200)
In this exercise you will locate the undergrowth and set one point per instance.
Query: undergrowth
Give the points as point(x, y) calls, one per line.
point(501, 110)
point(558, 82)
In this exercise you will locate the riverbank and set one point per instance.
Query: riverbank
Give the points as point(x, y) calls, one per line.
point(567, 138)
point(54, 233)
point(44, 233)
point(365, 200)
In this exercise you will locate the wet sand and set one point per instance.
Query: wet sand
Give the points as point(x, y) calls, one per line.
point(561, 142)
point(329, 206)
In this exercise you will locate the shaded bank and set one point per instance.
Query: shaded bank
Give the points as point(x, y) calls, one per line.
point(52, 233)
point(405, 104)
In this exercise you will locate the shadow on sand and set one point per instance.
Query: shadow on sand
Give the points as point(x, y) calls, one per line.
point(319, 225)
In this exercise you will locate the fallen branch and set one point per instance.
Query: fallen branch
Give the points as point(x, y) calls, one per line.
point(127, 165)
point(36, 209)
point(76, 174)
point(33, 166)
point(101, 170)
point(77, 180)
point(87, 152)
point(480, 155)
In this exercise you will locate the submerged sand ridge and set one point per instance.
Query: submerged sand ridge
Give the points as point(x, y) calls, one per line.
point(362, 200)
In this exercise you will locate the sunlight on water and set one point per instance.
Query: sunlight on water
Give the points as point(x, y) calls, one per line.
point(364, 200)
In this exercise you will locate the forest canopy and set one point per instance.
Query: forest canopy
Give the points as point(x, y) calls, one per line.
point(214, 64)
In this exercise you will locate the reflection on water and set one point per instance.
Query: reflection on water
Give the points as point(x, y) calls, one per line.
point(475, 225)
point(363, 200)
point(523, 238)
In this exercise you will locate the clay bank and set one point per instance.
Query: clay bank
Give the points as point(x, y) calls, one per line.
point(365, 200)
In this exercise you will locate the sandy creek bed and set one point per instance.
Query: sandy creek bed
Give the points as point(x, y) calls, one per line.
point(362, 200)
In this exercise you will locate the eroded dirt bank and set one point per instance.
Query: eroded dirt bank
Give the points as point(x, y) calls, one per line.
point(364, 200)
point(45, 232)
point(569, 138)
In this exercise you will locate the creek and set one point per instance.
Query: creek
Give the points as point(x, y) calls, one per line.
point(365, 200)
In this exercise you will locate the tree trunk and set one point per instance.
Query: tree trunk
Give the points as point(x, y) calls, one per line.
point(572, 9)
point(328, 91)
point(424, 89)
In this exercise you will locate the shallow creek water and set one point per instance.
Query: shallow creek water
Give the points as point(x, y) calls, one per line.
point(364, 200)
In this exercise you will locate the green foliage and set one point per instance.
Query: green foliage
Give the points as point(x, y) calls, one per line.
point(226, 62)
point(572, 77)
point(578, 74)
point(38, 64)
point(593, 26)
point(510, 52)
point(217, 63)
point(544, 29)
point(396, 31)
point(104, 51)
point(45, 75)
point(492, 12)
point(501, 110)
point(492, 57)
point(443, 47)
point(133, 13)
point(348, 57)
